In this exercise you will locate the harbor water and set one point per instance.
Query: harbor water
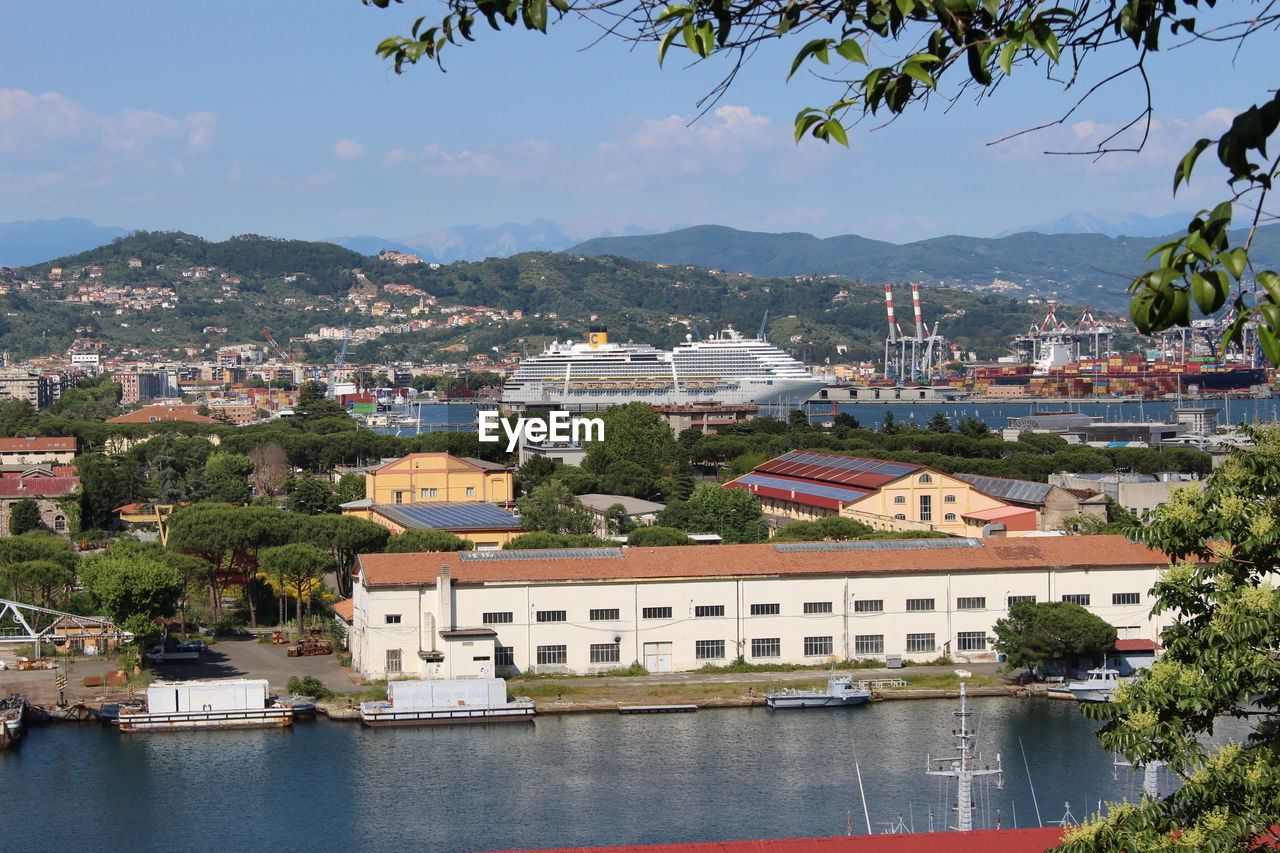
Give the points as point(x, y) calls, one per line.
point(574, 780)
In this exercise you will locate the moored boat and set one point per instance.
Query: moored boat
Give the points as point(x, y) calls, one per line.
point(1098, 686)
point(459, 700)
point(841, 691)
point(11, 713)
point(212, 704)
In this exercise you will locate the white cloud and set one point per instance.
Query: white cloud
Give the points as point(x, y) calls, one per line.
point(348, 149)
point(49, 124)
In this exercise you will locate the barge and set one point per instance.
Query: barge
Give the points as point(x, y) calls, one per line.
point(446, 701)
point(211, 704)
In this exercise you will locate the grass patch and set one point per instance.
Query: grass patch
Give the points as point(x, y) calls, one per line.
point(740, 665)
point(374, 691)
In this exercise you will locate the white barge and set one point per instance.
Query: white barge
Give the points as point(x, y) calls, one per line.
point(444, 701)
point(213, 704)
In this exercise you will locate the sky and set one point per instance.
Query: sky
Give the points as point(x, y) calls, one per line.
point(277, 118)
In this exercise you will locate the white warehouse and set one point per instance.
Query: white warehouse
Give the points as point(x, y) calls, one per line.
point(484, 613)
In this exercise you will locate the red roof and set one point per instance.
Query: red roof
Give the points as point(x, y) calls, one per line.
point(31, 487)
point(37, 445)
point(980, 841)
point(702, 561)
point(834, 468)
point(1012, 517)
point(344, 609)
point(1137, 645)
point(148, 414)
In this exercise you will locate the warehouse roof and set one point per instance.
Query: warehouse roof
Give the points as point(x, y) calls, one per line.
point(696, 561)
point(800, 491)
point(38, 445)
point(833, 468)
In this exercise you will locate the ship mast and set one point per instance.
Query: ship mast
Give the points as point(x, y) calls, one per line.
point(962, 766)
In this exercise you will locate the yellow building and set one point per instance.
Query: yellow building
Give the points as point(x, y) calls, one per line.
point(805, 486)
point(427, 477)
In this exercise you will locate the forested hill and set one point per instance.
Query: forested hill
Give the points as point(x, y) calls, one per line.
point(191, 293)
point(1091, 269)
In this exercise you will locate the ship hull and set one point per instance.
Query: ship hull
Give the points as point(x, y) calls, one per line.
point(750, 391)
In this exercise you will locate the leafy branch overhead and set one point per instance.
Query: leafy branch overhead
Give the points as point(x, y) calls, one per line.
point(886, 56)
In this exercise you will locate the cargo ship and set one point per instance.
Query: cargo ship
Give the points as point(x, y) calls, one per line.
point(1118, 376)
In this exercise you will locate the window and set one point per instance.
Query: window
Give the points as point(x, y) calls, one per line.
point(902, 516)
point(868, 605)
point(1126, 597)
point(399, 497)
point(975, 603)
point(504, 656)
point(949, 499)
point(60, 524)
point(553, 654)
point(393, 618)
point(926, 507)
point(868, 644)
point(1014, 599)
point(920, 643)
point(605, 653)
point(708, 649)
point(655, 613)
point(496, 618)
point(925, 478)
point(551, 615)
point(471, 491)
point(951, 516)
point(393, 660)
point(609, 614)
point(971, 641)
point(1079, 598)
point(428, 493)
point(769, 647)
point(900, 499)
point(766, 609)
point(817, 607)
point(708, 610)
point(817, 646)
point(915, 604)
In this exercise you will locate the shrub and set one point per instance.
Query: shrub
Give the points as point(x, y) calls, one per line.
point(309, 685)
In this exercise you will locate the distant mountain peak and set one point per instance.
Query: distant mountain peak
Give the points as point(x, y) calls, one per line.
point(33, 241)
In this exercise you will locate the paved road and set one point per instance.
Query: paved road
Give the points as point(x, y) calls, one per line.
point(247, 658)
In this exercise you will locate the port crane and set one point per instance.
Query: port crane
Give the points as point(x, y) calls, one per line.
point(916, 357)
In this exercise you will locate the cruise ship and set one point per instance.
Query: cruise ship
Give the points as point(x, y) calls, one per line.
point(727, 368)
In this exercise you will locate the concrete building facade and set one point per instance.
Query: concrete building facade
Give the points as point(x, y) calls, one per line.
point(425, 477)
point(671, 609)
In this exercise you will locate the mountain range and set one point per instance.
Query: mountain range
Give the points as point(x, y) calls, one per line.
point(33, 241)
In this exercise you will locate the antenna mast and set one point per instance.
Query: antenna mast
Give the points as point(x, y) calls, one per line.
point(961, 767)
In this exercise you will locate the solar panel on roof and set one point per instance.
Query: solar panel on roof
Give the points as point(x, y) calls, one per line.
point(818, 489)
point(545, 554)
point(449, 515)
point(878, 545)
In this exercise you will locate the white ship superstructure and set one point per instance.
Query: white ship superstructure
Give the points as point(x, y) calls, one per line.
point(727, 368)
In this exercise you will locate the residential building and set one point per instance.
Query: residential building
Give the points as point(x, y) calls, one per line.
point(48, 491)
point(427, 477)
point(35, 388)
point(805, 486)
point(705, 417)
point(564, 452)
point(671, 609)
point(145, 385)
point(637, 512)
point(1140, 494)
point(37, 451)
point(151, 414)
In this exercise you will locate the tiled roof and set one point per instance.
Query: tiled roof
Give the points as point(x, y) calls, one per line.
point(32, 487)
point(37, 445)
point(833, 468)
point(1136, 645)
point(147, 414)
point(344, 609)
point(1034, 840)
point(448, 515)
point(702, 561)
point(1019, 491)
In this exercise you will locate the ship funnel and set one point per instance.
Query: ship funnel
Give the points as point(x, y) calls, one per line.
point(597, 336)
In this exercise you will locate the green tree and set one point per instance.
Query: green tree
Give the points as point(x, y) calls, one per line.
point(132, 590)
point(226, 478)
point(834, 528)
point(886, 57)
point(350, 488)
point(299, 570)
point(639, 455)
point(38, 567)
point(554, 509)
point(657, 537)
point(974, 428)
point(345, 537)
point(939, 423)
point(312, 496)
point(1219, 661)
point(534, 472)
point(23, 516)
point(1036, 634)
point(416, 541)
point(732, 513)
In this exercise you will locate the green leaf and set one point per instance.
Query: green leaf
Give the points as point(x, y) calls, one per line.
point(534, 13)
point(835, 130)
point(851, 51)
point(915, 72)
point(1188, 162)
point(1270, 345)
point(1234, 262)
point(1271, 283)
point(1006, 56)
point(667, 37)
point(817, 47)
point(1204, 294)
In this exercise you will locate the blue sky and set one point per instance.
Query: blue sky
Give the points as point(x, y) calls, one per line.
point(277, 118)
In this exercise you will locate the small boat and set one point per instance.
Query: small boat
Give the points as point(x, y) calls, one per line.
point(841, 691)
point(1098, 686)
point(459, 700)
point(229, 703)
point(11, 712)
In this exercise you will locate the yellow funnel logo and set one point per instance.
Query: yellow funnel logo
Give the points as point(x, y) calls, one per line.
point(595, 339)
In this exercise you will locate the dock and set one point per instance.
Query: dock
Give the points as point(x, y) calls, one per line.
point(657, 709)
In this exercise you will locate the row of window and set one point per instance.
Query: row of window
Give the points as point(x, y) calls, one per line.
point(761, 647)
point(398, 496)
point(861, 605)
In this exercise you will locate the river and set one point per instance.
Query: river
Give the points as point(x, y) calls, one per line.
point(578, 780)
